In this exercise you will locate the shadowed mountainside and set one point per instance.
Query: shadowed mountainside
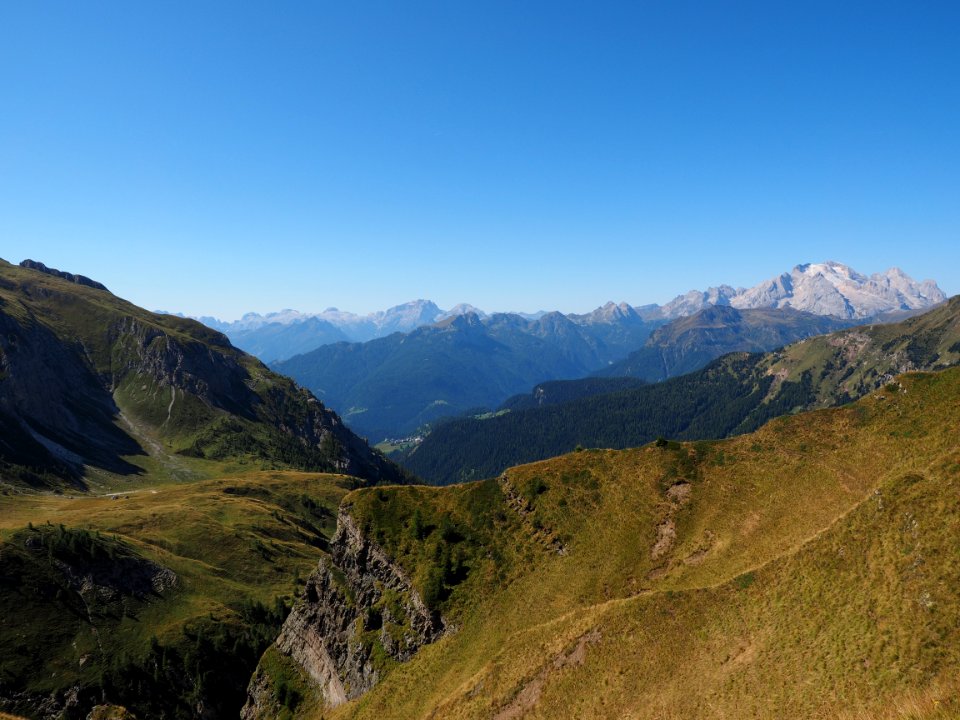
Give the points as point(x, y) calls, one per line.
point(90, 381)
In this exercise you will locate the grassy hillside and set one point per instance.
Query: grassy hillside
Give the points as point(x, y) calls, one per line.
point(806, 570)
point(94, 389)
point(737, 393)
point(161, 600)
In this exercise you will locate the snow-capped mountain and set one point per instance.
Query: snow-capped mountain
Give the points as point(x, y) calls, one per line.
point(828, 288)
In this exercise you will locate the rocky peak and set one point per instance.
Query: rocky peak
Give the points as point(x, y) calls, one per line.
point(554, 319)
point(407, 316)
point(609, 313)
point(462, 322)
point(697, 300)
point(462, 309)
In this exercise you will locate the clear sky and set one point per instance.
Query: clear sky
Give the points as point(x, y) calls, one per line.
point(215, 158)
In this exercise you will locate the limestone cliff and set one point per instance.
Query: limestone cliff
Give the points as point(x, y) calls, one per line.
point(357, 615)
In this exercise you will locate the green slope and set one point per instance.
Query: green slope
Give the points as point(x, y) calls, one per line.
point(94, 389)
point(736, 393)
point(806, 570)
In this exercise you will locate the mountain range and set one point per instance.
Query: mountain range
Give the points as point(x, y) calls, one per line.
point(690, 342)
point(471, 363)
point(828, 288)
point(283, 334)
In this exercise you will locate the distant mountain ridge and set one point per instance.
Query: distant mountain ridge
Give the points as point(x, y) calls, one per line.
point(470, 364)
point(828, 288)
point(390, 386)
point(356, 328)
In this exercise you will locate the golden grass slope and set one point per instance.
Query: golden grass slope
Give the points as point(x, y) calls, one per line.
point(808, 570)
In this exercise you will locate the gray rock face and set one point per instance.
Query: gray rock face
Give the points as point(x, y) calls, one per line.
point(357, 602)
point(110, 580)
point(216, 378)
point(828, 288)
point(832, 288)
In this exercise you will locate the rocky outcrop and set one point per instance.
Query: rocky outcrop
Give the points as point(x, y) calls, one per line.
point(109, 580)
point(78, 279)
point(356, 610)
point(199, 368)
point(696, 300)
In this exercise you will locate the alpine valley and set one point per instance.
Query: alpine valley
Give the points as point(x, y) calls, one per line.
point(743, 503)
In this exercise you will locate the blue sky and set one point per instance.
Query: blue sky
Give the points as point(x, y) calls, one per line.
point(215, 158)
